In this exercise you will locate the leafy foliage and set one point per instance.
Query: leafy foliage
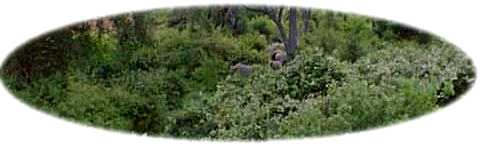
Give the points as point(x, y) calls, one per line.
point(167, 73)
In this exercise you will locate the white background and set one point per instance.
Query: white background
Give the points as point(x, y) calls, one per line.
point(454, 20)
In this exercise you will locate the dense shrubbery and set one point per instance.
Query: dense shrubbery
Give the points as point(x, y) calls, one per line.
point(350, 73)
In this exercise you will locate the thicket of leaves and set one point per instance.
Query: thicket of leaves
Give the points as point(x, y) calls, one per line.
point(350, 73)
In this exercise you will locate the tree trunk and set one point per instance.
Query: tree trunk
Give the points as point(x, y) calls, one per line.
point(126, 32)
point(233, 20)
point(140, 28)
point(281, 30)
point(307, 14)
point(292, 42)
point(276, 17)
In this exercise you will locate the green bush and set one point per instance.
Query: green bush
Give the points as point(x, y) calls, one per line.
point(38, 94)
point(312, 74)
point(440, 64)
point(262, 25)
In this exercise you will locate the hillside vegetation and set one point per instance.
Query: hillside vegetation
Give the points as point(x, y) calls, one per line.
point(168, 73)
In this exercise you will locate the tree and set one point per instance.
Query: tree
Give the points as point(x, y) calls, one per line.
point(307, 15)
point(140, 27)
point(292, 43)
point(290, 40)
